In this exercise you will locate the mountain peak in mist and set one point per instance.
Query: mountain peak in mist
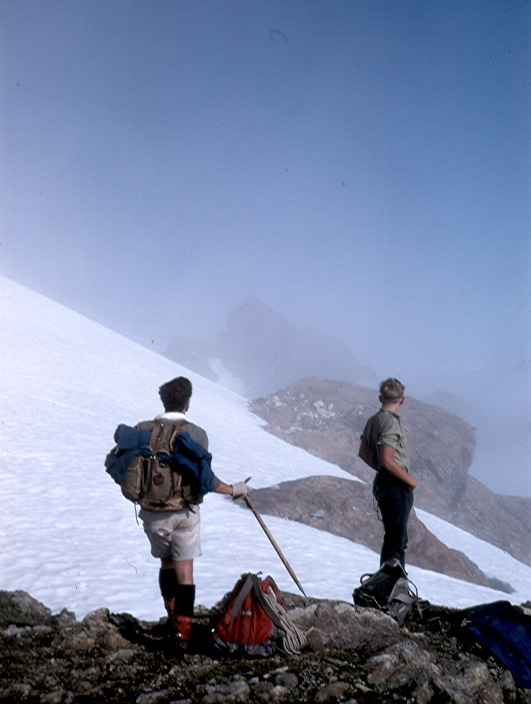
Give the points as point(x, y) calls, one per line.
point(265, 352)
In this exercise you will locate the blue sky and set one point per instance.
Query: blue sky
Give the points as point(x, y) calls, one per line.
point(362, 167)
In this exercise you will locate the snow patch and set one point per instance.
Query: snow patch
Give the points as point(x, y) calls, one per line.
point(69, 538)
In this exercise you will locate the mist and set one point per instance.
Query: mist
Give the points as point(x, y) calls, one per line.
point(362, 168)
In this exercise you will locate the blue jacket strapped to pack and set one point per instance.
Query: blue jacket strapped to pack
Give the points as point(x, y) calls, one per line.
point(131, 442)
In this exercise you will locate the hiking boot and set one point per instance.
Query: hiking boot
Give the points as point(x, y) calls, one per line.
point(180, 632)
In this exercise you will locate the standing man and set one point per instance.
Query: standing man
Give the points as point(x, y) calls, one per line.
point(384, 448)
point(173, 532)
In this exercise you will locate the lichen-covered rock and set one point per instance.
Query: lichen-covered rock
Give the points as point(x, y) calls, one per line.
point(405, 665)
point(338, 625)
point(354, 655)
point(332, 692)
point(20, 609)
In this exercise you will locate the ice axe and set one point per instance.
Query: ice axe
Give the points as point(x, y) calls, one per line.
point(272, 541)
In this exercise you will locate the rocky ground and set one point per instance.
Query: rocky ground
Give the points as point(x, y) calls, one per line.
point(352, 655)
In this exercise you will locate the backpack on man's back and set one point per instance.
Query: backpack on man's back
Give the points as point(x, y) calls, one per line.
point(161, 468)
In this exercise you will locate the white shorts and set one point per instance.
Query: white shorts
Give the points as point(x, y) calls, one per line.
point(173, 534)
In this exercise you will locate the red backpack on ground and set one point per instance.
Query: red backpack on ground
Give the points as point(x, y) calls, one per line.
point(250, 623)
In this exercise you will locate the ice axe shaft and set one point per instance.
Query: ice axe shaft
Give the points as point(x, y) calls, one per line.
point(273, 542)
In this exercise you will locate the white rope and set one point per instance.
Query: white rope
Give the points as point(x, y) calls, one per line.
point(293, 639)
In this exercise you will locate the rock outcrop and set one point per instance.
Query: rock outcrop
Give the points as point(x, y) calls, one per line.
point(353, 655)
point(326, 418)
point(343, 507)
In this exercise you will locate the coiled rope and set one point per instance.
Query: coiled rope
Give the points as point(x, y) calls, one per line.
point(293, 639)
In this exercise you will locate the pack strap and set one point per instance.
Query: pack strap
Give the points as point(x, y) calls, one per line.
point(265, 604)
point(403, 598)
point(163, 436)
point(252, 582)
point(237, 604)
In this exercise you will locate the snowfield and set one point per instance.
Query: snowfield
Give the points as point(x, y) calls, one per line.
point(69, 538)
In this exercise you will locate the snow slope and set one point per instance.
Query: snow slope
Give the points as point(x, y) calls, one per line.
point(69, 538)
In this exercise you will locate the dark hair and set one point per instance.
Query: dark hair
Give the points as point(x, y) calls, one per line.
point(175, 394)
point(391, 390)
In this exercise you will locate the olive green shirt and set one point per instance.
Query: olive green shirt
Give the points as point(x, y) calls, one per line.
point(384, 430)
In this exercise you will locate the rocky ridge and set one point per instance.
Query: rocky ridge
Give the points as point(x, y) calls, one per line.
point(345, 508)
point(327, 417)
point(353, 654)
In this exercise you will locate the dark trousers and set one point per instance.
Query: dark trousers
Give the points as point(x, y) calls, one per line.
point(395, 503)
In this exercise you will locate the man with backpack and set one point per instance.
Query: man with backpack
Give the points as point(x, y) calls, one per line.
point(173, 528)
point(383, 447)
